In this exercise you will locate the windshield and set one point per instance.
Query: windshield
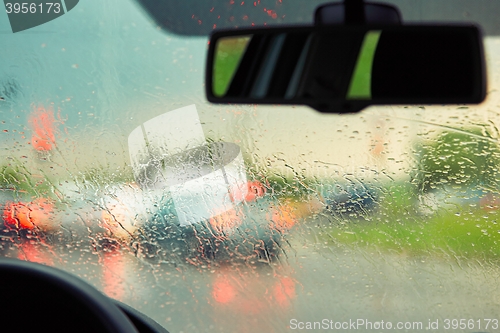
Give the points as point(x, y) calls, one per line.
point(223, 218)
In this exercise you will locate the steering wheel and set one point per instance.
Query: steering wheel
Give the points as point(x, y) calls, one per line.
point(38, 298)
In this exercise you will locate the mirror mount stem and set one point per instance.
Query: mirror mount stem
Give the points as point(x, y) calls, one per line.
point(354, 12)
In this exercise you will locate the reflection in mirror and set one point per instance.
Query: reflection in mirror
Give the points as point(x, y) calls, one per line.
point(344, 69)
point(228, 54)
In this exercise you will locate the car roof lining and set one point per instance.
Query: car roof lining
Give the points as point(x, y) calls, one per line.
point(200, 18)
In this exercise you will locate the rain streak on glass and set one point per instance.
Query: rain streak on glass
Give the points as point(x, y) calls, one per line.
point(222, 218)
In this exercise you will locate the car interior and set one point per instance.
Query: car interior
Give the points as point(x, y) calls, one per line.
point(242, 166)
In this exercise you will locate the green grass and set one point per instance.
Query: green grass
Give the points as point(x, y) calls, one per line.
point(467, 235)
point(22, 183)
point(26, 185)
point(360, 85)
point(398, 228)
point(228, 54)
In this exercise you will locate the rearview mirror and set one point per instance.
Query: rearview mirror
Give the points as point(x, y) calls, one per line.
point(347, 68)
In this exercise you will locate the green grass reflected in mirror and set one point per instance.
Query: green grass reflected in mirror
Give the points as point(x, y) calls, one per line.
point(228, 54)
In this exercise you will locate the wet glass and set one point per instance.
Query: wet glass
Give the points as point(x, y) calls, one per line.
point(240, 218)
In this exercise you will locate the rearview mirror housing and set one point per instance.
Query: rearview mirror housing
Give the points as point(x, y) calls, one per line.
point(347, 68)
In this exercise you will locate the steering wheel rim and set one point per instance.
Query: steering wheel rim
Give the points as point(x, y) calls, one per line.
point(25, 283)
